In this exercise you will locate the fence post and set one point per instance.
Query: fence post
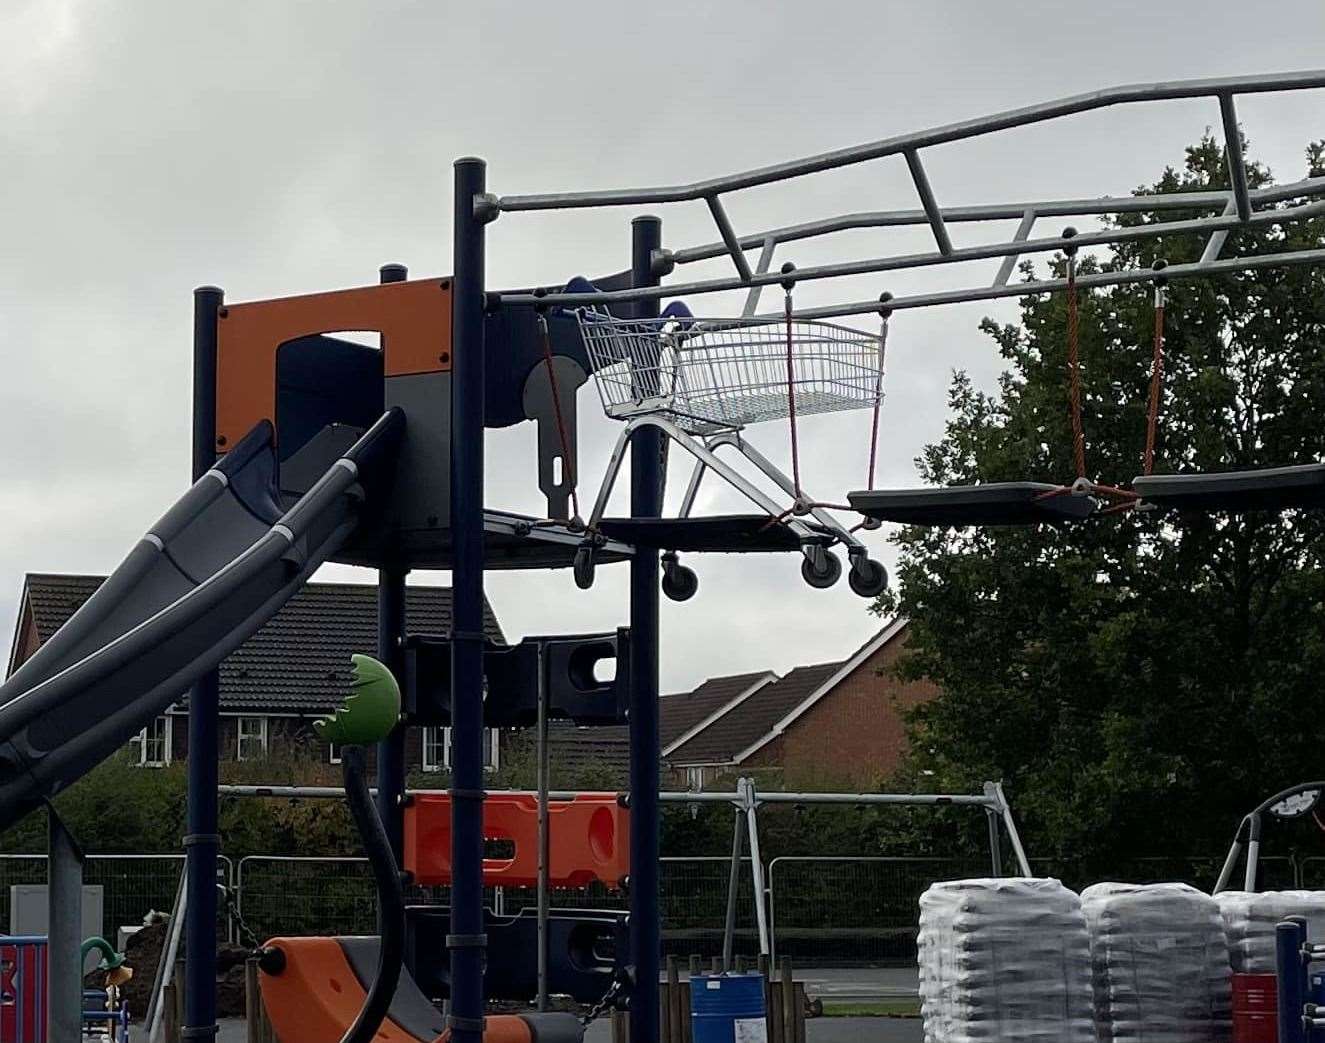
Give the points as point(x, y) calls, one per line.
point(787, 991)
point(252, 1001)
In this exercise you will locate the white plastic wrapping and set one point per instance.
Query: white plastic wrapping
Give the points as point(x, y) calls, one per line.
point(1004, 959)
point(1161, 966)
point(1250, 919)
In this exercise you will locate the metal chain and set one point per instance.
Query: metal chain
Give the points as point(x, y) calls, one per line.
point(606, 1002)
point(246, 932)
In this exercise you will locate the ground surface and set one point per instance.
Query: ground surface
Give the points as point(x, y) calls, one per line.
point(839, 985)
point(818, 1030)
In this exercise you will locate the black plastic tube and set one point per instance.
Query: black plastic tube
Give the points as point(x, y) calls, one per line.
point(390, 897)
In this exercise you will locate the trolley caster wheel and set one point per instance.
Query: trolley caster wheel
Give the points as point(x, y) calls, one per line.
point(678, 581)
point(821, 568)
point(867, 577)
point(584, 567)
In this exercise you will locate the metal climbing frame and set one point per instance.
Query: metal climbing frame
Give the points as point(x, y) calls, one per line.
point(663, 399)
point(1229, 209)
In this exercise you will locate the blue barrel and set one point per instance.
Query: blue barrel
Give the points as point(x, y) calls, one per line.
point(728, 1008)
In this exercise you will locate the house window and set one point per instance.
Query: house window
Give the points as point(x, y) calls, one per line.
point(695, 778)
point(251, 738)
point(437, 749)
point(154, 743)
point(333, 753)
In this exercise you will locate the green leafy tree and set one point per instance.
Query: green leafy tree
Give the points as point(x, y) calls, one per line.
point(1141, 680)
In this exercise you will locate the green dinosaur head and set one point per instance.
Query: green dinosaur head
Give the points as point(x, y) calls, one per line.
point(371, 709)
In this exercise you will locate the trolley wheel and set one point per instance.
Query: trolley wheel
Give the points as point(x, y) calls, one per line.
point(821, 568)
point(867, 577)
point(679, 582)
point(583, 567)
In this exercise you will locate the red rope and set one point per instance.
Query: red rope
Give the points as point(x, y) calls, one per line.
point(568, 464)
point(791, 405)
point(1156, 382)
point(1074, 369)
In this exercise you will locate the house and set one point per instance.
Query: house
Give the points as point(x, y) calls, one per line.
point(829, 725)
point(292, 671)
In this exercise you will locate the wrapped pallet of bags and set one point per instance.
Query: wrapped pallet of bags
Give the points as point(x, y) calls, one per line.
point(1160, 960)
point(1250, 918)
point(1004, 959)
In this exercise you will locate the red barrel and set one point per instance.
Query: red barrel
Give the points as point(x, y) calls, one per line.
point(1255, 1008)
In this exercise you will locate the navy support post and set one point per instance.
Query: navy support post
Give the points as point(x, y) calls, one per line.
point(390, 650)
point(646, 476)
point(1289, 938)
point(467, 940)
point(202, 842)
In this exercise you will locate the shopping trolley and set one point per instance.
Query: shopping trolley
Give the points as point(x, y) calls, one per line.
point(701, 382)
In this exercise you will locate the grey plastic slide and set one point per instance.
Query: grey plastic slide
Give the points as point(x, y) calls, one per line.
point(214, 569)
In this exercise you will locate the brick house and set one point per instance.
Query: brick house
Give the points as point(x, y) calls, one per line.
point(292, 671)
point(826, 726)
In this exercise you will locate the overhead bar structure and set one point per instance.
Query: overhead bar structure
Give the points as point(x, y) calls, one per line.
point(1236, 207)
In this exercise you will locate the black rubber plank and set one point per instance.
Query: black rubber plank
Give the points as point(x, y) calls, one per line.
point(996, 503)
point(410, 1008)
point(724, 534)
point(1267, 489)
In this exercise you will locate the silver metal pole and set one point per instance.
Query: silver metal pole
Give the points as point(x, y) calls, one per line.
point(1214, 199)
point(165, 967)
point(1253, 861)
point(1230, 864)
point(1161, 91)
point(64, 898)
point(999, 801)
point(981, 252)
point(751, 801)
point(544, 826)
point(733, 883)
point(931, 205)
point(995, 843)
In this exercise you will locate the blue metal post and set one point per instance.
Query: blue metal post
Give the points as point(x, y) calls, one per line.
point(467, 940)
point(646, 474)
point(202, 843)
point(1289, 938)
point(390, 644)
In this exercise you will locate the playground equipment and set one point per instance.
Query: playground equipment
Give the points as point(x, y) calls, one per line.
point(24, 986)
point(310, 448)
point(1295, 802)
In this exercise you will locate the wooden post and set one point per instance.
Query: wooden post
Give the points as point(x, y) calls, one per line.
point(175, 1008)
point(672, 1007)
point(620, 1027)
point(801, 1005)
point(787, 989)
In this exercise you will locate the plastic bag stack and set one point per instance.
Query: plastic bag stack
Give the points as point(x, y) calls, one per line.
point(1161, 965)
point(1004, 959)
point(1250, 919)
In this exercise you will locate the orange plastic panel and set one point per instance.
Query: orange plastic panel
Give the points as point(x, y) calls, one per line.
point(589, 839)
point(414, 319)
point(318, 996)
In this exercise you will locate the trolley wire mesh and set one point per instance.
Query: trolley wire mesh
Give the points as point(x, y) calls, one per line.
point(710, 375)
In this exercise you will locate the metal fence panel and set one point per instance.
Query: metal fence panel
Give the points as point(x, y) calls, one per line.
point(853, 910)
point(132, 885)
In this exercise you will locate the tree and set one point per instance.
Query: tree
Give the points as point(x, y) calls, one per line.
point(1142, 680)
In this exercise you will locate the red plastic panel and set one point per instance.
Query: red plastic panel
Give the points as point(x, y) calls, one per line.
point(588, 840)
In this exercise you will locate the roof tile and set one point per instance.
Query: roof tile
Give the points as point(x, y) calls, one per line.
point(299, 662)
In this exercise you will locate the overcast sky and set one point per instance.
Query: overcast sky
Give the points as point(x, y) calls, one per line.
point(147, 147)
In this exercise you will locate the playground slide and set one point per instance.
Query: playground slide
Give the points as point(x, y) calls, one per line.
point(214, 569)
